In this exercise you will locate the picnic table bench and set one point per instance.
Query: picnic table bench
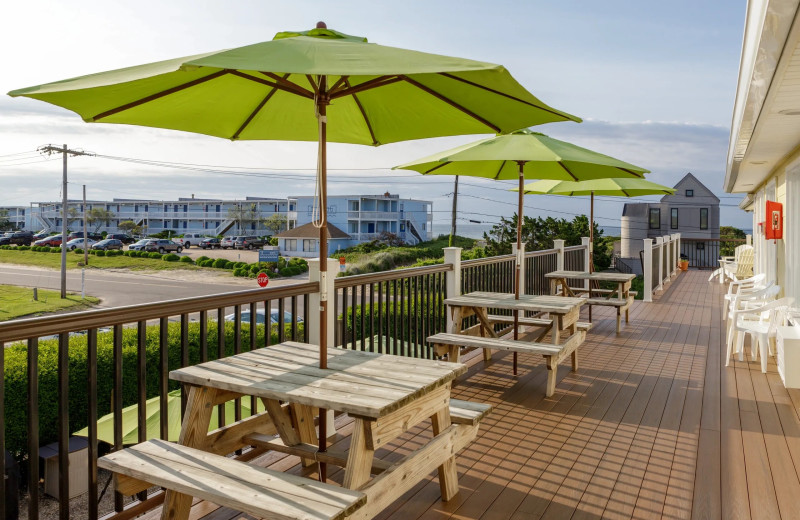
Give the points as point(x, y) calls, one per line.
point(620, 298)
point(386, 395)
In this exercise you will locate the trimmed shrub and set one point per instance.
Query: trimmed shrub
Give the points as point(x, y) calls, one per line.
point(186, 260)
point(155, 255)
point(78, 251)
point(219, 263)
point(200, 258)
point(23, 248)
point(229, 264)
point(171, 258)
point(100, 252)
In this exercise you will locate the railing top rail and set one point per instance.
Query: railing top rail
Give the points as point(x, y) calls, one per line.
point(574, 248)
point(721, 239)
point(34, 327)
point(486, 261)
point(541, 252)
point(361, 279)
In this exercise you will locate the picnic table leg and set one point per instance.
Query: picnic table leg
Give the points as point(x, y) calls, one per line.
point(359, 459)
point(194, 431)
point(619, 317)
point(303, 423)
point(552, 373)
point(554, 286)
point(486, 327)
point(448, 472)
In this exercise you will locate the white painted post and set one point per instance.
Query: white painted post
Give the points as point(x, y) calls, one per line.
point(648, 269)
point(676, 253)
point(452, 256)
point(312, 326)
point(521, 261)
point(748, 240)
point(558, 245)
point(586, 258)
point(657, 251)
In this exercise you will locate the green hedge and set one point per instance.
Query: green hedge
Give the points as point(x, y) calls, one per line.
point(16, 393)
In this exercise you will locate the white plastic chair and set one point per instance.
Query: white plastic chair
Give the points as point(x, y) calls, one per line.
point(761, 323)
point(743, 267)
point(748, 300)
point(743, 288)
point(729, 264)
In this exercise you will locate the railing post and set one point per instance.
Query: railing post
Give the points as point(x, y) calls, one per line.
point(558, 245)
point(658, 245)
point(587, 258)
point(521, 261)
point(748, 240)
point(676, 239)
point(314, 299)
point(647, 272)
point(452, 256)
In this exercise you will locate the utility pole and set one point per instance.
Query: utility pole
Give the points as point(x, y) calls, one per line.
point(85, 234)
point(65, 151)
point(453, 222)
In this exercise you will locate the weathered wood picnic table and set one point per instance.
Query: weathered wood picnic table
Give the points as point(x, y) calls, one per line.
point(566, 334)
point(387, 395)
point(621, 297)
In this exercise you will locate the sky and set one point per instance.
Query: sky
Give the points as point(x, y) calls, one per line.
point(654, 82)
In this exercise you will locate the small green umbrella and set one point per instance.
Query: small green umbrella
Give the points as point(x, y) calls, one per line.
point(317, 85)
point(623, 187)
point(130, 422)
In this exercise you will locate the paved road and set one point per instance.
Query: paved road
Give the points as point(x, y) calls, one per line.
point(116, 289)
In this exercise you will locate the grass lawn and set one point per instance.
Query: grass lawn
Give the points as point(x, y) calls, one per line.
point(53, 260)
point(18, 301)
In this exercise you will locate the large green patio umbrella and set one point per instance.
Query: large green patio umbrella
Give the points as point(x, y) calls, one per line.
point(623, 187)
point(130, 423)
point(317, 85)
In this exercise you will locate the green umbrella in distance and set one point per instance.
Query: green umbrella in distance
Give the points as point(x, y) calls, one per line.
point(622, 187)
point(316, 85)
point(130, 422)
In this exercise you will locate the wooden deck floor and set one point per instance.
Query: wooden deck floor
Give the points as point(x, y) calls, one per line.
point(652, 426)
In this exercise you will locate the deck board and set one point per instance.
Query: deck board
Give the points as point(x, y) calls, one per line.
point(653, 425)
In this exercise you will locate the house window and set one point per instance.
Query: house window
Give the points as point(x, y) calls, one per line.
point(309, 245)
point(703, 218)
point(290, 244)
point(673, 218)
point(184, 224)
point(217, 208)
point(690, 193)
point(655, 218)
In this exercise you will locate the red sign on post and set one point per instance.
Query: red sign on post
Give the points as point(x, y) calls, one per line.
point(262, 279)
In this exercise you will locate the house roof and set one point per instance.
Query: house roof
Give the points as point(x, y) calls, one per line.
point(687, 179)
point(310, 231)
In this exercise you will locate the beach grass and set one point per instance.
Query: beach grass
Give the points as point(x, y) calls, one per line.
point(18, 301)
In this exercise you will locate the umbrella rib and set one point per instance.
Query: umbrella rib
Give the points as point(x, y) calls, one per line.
point(452, 103)
point(157, 95)
point(363, 114)
point(367, 85)
point(626, 170)
point(436, 167)
point(312, 82)
point(502, 165)
point(292, 87)
point(338, 84)
point(625, 192)
point(254, 112)
point(567, 170)
point(509, 96)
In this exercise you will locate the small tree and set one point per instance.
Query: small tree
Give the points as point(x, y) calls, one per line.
point(97, 217)
point(275, 223)
point(130, 227)
point(5, 223)
point(243, 215)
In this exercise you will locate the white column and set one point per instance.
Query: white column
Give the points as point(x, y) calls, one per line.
point(657, 251)
point(748, 240)
point(314, 300)
point(452, 256)
point(648, 269)
point(558, 245)
point(586, 258)
point(521, 260)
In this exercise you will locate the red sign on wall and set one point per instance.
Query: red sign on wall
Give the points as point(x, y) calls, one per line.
point(773, 223)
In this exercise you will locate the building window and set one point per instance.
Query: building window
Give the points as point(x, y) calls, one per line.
point(673, 218)
point(655, 218)
point(309, 245)
point(290, 244)
point(690, 193)
point(703, 218)
point(217, 208)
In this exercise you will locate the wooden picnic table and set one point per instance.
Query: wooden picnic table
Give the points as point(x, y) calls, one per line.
point(387, 395)
point(621, 297)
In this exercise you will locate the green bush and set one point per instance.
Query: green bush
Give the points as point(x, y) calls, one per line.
point(171, 258)
point(78, 251)
point(100, 252)
point(219, 263)
point(201, 258)
point(154, 255)
point(186, 260)
point(229, 264)
point(23, 248)
point(16, 374)
point(240, 272)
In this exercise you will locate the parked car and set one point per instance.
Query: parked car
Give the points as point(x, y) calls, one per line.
point(41, 234)
point(19, 238)
point(210, 243)
point(162, 246)
point(248, 242)
point(53, 241)
point(139, 246)
point(274, 317)
point(122, 237)
point(79, 234)
point(226, 243)
point(190, 238)
point(109, 243)
point(78, 243)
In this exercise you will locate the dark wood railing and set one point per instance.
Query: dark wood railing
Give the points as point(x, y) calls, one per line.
point(704, 253)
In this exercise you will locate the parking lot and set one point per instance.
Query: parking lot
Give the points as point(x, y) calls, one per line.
point(234, 255)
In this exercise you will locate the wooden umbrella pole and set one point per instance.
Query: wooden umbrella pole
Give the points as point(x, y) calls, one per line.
point(518, 261)
point(591, 235)
point(322, 108)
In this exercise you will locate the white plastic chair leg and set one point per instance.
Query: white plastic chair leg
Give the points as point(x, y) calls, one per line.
point(729, 350)
point(763, 343)
point(740, 344)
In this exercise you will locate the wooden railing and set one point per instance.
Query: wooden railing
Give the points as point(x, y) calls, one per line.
point(704, 253)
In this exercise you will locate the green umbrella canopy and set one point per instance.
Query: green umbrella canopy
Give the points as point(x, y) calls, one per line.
point(608, 187)
point(268, 90)
point(543, 157)
point(130, 422)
